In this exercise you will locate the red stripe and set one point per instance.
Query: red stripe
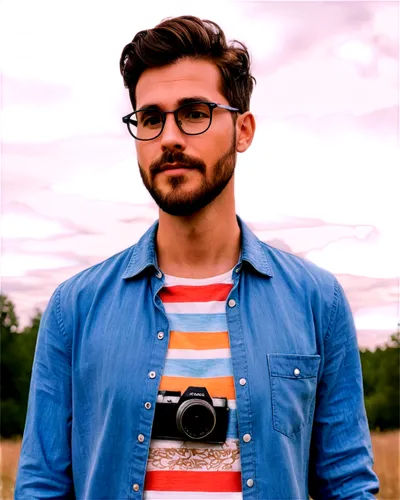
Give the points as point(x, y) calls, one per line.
point(206, 293)
point(193, 481)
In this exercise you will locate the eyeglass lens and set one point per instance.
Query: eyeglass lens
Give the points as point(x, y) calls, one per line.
point(193, 118)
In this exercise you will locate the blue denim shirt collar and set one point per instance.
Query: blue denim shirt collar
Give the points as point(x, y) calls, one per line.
point(144, 252)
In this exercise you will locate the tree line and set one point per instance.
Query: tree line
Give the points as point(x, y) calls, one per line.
point(380, 375)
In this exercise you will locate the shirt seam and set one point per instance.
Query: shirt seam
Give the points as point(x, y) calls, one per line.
point(334, 312)
point(60, 322)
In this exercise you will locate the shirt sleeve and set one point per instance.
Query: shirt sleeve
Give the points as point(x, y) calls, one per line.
point(341, 452)
point(44, 469)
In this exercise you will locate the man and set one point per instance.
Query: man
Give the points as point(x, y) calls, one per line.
point(201, 362)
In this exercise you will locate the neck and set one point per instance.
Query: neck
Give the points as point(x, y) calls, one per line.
point(202, 245)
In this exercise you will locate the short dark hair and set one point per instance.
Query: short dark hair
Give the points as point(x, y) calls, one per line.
point(184, 37)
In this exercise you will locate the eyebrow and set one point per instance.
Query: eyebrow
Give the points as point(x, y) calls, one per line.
point(180, 102)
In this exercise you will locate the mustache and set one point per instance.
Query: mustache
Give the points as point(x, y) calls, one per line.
point(176, 157)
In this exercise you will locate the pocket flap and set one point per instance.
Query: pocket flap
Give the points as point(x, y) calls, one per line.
point(293, 365)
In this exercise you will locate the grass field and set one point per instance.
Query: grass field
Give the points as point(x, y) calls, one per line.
point(386, 447)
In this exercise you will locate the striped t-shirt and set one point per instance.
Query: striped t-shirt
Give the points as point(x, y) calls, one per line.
point(198, 355)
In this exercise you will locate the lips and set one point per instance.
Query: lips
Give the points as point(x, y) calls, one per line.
point(173, 166)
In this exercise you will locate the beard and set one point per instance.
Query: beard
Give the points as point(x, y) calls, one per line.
point(179, 202)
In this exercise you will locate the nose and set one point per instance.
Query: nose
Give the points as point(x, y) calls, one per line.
point(172, 137)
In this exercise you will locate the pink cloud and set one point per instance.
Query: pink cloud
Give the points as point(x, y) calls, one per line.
point(25, 92)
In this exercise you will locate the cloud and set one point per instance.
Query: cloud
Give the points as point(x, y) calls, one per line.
point(25, 92)
point(21, 224)
point(302, 27)
point(370, 293)
point(140, 219)
point(386, 46)
point(371, 339)
point(382, 124)
point(318, 181)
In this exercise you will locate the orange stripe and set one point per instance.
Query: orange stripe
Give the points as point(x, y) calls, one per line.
point(193, 481)
point(198, 340)
point(218, 387)
point(205, 293)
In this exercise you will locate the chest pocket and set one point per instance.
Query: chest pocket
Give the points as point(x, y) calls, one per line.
point(293, 386)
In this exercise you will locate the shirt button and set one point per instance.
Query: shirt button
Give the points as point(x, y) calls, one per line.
point(160, 335)
point(152, 374)
point(232, 303)
point(242, 381)
point(237, 270)
point(135, 487)
point(250, 483)
point(247, 438)
point(147, 405)
point(296, 371)
point(140, 438)
point(159, 274)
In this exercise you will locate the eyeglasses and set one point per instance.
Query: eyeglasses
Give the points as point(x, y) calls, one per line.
point(193, 118)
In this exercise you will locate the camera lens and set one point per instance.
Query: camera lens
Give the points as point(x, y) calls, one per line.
point(196, 418)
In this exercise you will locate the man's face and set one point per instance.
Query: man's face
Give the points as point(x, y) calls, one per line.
point(209, 159)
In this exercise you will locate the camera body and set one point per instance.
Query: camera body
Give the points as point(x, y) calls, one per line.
point(193, 416)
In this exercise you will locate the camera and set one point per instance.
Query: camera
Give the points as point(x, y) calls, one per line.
point(193, 416)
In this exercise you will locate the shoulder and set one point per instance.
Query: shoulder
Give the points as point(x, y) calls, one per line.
point(112, 267)
point(299, 269)
point(78, 291)
point(308, 282)
point(316, 289)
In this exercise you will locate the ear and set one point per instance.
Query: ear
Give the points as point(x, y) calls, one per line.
point(245, 129)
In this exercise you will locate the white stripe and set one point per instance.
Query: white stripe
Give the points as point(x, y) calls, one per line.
point(208, 464)
point(212, 307)
point(198, 354)
point(169, 443)
point(190, 495)
point(213, 280)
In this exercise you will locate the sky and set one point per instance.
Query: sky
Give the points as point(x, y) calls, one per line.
point(321, 179)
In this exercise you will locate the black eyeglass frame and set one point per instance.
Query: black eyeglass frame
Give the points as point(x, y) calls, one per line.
point(211, 105)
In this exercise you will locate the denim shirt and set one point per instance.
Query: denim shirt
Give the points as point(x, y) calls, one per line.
point(100, 355)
